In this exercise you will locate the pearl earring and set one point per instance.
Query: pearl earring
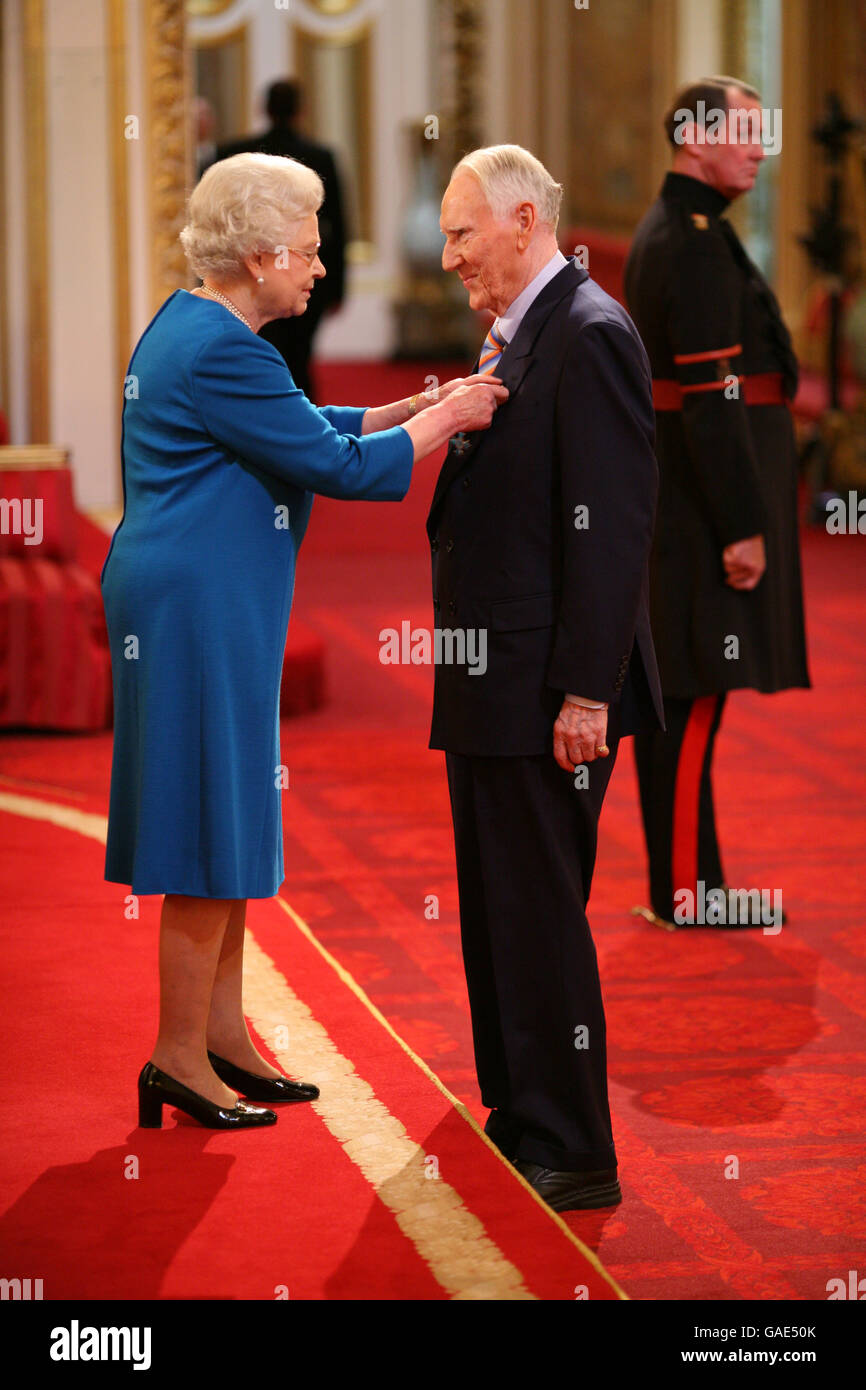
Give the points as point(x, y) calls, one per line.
point(261, 280)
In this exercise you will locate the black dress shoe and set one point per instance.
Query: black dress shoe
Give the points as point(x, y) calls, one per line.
point(156, 1089)
point(572, 1191)
point(273, 1089)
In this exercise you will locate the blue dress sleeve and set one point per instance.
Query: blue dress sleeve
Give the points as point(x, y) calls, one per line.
point(249, 403)
point(346, 419)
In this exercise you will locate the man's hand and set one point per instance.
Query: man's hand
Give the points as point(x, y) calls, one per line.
point(744, 562)
point(579, 735)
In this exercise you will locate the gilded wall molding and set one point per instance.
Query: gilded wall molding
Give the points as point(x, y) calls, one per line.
point(169, 161)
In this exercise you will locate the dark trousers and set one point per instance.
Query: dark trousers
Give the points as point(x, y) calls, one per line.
point(675, 777)
point(525, 840)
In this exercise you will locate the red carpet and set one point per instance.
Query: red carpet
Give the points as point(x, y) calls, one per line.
point(206, 1214)
point(730, 1053)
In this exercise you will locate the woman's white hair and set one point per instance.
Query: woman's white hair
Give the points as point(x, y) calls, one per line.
point(244, 204)
point(510, 175)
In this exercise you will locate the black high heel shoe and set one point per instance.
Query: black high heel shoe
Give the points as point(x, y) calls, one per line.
point(268, 1088)
point(156, 1089)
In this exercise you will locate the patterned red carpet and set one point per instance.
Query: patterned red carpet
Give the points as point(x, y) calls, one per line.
point(736, 1058)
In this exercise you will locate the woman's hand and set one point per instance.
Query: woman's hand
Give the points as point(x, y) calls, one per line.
point(385, 417)
point(473, 404)
point(468, 407)
point(441, 393)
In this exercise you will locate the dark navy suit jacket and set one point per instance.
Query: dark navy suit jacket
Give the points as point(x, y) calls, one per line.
point(540, 530)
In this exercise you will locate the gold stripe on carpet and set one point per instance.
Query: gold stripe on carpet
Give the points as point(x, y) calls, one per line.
point(358, 990)
point(454, 1244)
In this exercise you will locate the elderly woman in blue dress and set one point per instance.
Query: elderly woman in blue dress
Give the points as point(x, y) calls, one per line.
point(222, 455)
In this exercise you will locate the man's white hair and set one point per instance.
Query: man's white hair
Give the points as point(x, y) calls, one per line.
point(510, 175)
point(244, 204)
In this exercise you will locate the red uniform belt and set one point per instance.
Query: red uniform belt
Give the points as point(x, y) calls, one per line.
point(763, 388)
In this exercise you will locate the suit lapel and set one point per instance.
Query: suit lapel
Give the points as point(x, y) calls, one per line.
point(513, 366)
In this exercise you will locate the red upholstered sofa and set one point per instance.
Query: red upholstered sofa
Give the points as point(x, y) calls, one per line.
point(55, 666)
point(55, 669)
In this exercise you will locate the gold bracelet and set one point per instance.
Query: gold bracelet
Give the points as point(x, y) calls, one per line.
point(413, 405)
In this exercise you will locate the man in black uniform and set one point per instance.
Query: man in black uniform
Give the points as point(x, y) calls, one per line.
point(294, 337)
point(726, 601)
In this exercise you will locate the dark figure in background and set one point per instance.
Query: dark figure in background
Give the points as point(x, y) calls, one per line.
point(293, 338)
point(726, 600)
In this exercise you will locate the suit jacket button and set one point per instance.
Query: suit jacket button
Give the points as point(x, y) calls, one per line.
point(449, 546)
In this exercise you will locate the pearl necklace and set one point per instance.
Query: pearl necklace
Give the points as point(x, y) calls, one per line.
point(215, 294)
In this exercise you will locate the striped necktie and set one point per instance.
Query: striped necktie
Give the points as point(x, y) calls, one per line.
point(494, 346)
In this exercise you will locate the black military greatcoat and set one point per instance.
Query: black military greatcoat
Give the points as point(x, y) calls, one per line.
point(723, 372)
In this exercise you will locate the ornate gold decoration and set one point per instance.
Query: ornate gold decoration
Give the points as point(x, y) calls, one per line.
point(167, 131)
point(459, 25)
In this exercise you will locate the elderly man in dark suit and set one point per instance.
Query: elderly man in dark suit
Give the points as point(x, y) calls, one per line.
point(540, 532)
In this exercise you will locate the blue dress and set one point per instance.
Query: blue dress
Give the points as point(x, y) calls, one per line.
point(221, 457)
